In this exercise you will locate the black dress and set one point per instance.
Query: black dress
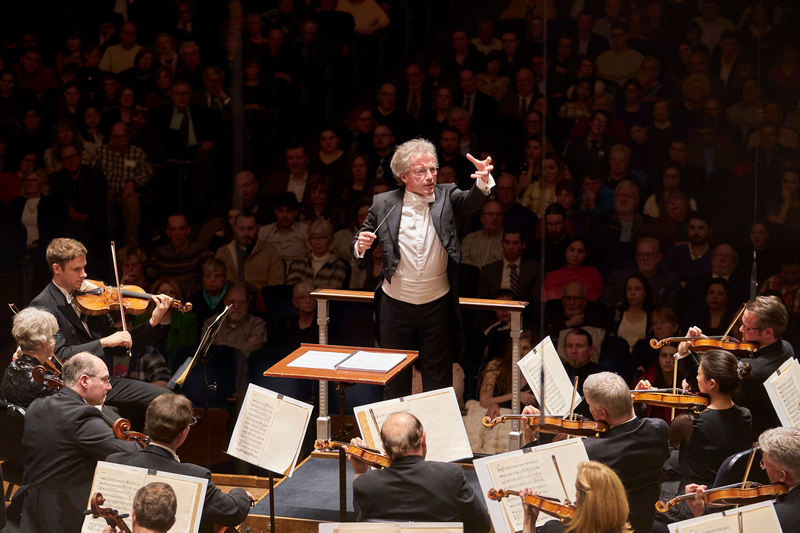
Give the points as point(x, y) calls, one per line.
point(18, 386)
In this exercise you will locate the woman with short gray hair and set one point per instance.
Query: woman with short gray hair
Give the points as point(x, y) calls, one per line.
point(34, 329)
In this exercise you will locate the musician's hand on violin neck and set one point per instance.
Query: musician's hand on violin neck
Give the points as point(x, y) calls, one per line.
point(528, 433)
point(531, 512)
point(685, 346)
point(359, 467)
point(643, 385)
point(161, 313)
point(697, 505)
point(119, 338)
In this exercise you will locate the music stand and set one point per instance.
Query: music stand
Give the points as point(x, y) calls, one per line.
point(203, 355)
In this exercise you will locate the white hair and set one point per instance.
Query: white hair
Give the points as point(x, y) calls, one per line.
point(401, 160)
point(34, 326)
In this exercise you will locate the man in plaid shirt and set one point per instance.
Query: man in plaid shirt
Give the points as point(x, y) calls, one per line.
point(127, 169)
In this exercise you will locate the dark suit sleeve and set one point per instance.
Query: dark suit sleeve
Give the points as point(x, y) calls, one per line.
point(225, 509)
point(370, 223)
point(476, 517)
point(94, 435)
point(465, 202)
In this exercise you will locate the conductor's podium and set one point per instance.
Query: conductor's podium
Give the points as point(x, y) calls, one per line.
point(311, 496)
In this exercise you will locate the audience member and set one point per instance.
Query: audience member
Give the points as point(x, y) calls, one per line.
point(248, 258)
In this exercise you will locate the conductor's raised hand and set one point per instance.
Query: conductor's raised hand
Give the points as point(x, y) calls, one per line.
point(365, 240)
point(483, 167)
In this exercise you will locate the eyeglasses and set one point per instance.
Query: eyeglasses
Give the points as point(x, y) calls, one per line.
point(105, 380)
point(193, 422)
point(419, 172)
point(748, 328)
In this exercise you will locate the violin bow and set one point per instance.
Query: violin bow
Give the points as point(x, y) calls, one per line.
point(119, 290)
point(674, 381)
point(749, 464)
point(572, 400)
point(14, 308)
point(561, 479)
point(730, 327)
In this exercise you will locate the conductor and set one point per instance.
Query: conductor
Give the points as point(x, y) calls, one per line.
point(417, 303)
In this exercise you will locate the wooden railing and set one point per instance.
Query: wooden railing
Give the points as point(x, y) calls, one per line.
point(323, 296)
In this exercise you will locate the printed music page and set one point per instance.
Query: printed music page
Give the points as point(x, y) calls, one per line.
point(531, 468)
point(319, 359)
point(118, 485)
point(759, 517)
point(270, 430)
point(783, 388)
point(557, 386)
point(439, 414)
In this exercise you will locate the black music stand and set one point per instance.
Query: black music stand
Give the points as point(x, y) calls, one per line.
point(204, 356)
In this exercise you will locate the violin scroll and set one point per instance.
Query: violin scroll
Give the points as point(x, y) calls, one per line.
point(490, 422)
point(122, 431)
point(111, 516)
point(497, 494)
point(38, 373)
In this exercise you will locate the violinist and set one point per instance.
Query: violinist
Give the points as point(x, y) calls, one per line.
point(168, 422)
point(95, 334)
point(34, 330)
point(413, 488)
point(65, 435)
point(780, 449)
point(154, 508)
point(723, 428)
point(635, 448)
point(600, 504)
point(764, 320)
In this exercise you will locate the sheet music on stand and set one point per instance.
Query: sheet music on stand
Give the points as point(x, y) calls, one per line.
point(528, 468)
point(205, 342)
point(760, 517)
point(557, 386)
point(270, 429)
point(118, 485)
point(783, 389)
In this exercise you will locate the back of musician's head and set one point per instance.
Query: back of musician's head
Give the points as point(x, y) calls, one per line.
point(401, 434)
point(771, 313)
point(609, 391)
point(782, 444)
point(154, 506)
point(34, 326)
point(62, 250)
point(601, 501)
point(167, 416)
point(723, 367)
point(78, 365)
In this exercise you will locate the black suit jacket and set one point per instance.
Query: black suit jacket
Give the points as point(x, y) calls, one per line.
point(788, 509)
point(492, 277)
point(449, 202)
point(74, 337)
point(418, 490)
point(636, 451)
point(205, 124)
point(219, 508)
point(754, 396)
point(63, 440)
point(91, 189)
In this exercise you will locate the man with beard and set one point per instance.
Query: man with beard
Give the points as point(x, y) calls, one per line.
point(248, 258)
point(692, 260)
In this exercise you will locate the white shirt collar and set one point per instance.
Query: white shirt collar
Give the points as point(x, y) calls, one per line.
point(417, 200)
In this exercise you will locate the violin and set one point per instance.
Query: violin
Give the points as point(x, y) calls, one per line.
point(735, 494)
point(122, 431)
point(580, 426)
point(38, 373)
point(670, 398)
point(111, 516)
point(367, 455)
point(702, 344)
point(99, 299)
point(546, 505)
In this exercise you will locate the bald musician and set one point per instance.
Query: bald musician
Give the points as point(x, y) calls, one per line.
point(763, 322)
point(65, 435)
point(413, 489)
point(635, 448)
point(66, 259)
point(153, 510)
point(780, 449)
